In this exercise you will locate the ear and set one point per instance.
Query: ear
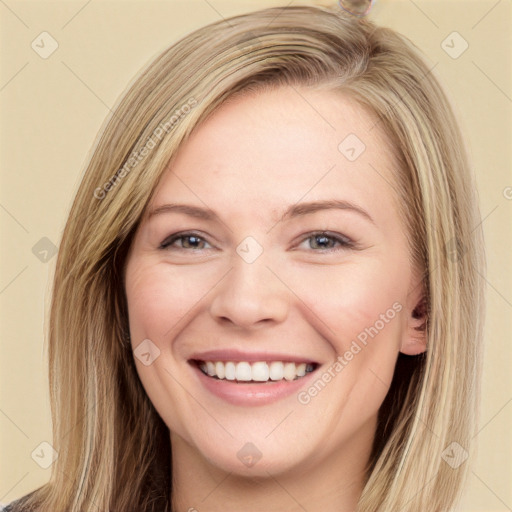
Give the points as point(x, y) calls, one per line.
point(414, 340)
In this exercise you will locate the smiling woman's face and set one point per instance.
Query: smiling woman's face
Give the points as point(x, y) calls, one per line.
point(268, 251)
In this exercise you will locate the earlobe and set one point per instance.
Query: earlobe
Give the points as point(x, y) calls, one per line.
point(414, 346)
point(415, 337)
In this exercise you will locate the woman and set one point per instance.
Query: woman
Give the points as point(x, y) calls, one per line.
point(266, 296)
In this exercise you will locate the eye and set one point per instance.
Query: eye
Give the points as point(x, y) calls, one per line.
point(187, 241)
point(328, 242)
point(321, 241)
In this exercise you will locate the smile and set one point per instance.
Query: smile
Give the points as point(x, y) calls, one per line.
point(258, 371)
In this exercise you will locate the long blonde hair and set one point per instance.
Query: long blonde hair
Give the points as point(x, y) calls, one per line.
point(114, 449)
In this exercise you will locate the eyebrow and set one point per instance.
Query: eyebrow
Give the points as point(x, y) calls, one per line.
point(293, 211)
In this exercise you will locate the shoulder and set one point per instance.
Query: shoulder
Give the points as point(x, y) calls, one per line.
point(17, 505)
point(11, 507)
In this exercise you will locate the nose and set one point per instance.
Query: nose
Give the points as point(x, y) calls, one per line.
point(250, 296)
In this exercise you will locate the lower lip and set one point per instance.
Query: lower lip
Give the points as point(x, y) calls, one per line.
point(252, 394)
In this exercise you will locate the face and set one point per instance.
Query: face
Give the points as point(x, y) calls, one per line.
point(270, 286)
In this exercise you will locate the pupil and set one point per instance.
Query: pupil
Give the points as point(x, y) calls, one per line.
point(322, 239)
point(194, 239)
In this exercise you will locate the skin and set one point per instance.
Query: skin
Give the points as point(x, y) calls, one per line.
point(254, 157)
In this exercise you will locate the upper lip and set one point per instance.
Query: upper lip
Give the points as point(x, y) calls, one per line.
point(239, 355)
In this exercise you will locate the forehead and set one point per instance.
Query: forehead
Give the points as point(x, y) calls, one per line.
point(280, 146)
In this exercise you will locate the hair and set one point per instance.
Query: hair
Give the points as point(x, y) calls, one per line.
point(114, 449)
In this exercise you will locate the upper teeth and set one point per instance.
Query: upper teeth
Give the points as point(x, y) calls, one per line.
point(259, 371)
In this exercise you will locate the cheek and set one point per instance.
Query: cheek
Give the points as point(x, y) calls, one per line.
point(158, 302)
point(362, 307)
point(354, 299)
point(159, 299)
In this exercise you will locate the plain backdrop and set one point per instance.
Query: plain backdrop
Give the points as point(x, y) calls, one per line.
point(52, 106)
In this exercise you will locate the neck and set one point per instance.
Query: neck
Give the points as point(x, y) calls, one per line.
point(332, 484)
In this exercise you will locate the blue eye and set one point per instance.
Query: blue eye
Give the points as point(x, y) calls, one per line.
point(188, 241)
point(328, 242)
point(321, 241)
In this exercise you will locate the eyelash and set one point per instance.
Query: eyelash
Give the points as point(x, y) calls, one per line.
point(344, 242)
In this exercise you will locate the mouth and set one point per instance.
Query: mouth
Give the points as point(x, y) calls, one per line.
point(247, 379)
point(261, 372)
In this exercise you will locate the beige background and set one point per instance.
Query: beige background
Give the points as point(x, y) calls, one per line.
point(52, 109)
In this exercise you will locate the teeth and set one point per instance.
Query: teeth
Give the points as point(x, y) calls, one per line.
point(220, 370)
point(243, 371)
point(259, 371)
point(230, 370)
point(289, 371)
point(276, 370)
